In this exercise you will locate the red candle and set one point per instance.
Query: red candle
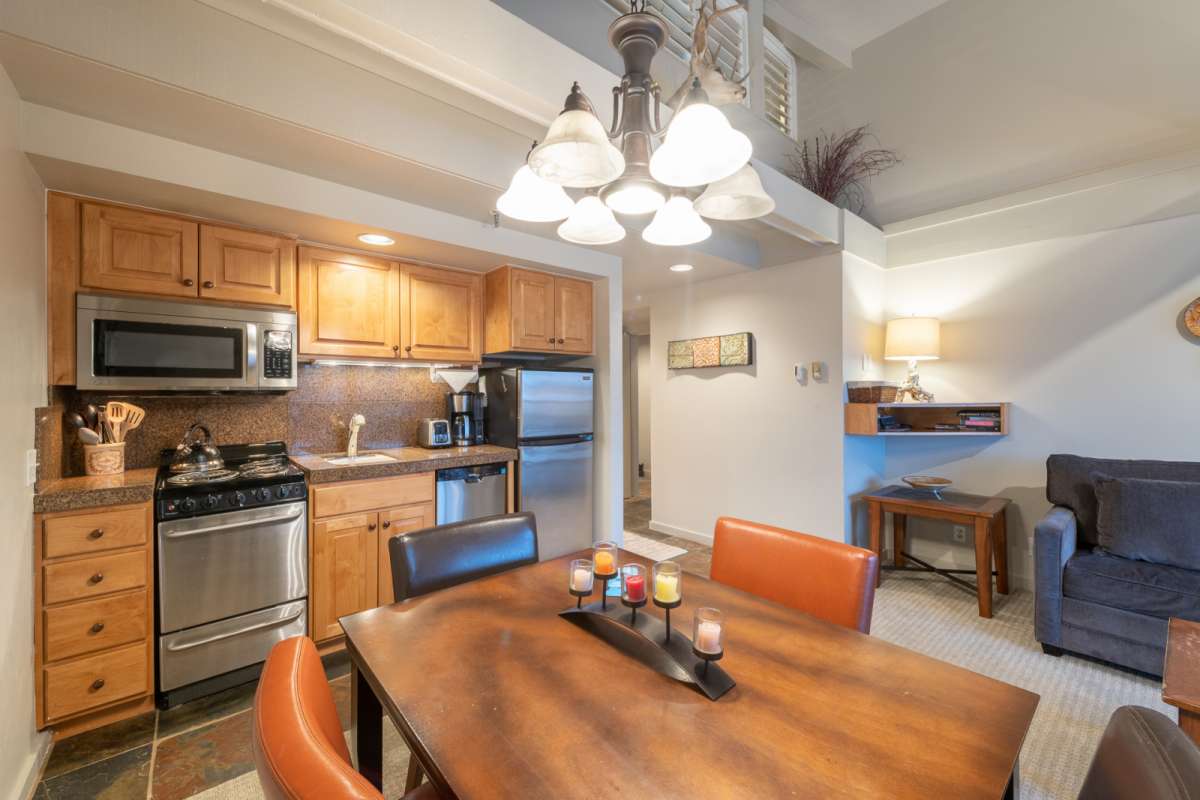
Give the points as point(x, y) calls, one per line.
point(635, 588)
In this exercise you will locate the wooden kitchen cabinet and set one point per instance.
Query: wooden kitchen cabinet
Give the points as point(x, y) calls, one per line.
point(247, 267)
point(394, 522)
point(344, 571)
point(441, 314)
point(130, 250)
point(349, 305)
point(529, 311)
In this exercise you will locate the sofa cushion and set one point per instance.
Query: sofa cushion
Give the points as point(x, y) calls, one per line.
point(1069, 483)
point(1156, 590)
point(1146, 520)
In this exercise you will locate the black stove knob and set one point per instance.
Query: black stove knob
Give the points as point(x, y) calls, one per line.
point(263, 493)
point(211, 501)
point(239, 498)
point(283, 490)
point(187, 504)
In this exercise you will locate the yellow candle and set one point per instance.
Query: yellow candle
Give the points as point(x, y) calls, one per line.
point(666, 588)
point(604, 562)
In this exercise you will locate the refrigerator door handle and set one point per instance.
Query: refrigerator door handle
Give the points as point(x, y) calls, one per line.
point(555, 441)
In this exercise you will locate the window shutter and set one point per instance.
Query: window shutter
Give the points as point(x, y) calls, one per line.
point(779, 85)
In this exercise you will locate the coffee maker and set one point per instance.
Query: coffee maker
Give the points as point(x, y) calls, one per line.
point(463, 410)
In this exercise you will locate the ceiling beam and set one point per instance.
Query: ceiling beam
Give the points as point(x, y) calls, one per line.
point(807, 38)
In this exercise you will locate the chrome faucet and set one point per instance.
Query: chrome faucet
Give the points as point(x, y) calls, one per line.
point(356, 422)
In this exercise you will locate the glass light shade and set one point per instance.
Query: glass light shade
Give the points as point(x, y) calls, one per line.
point(677, 223)
point(634, 197)
point(740, 196)
point(532, 199)
point(591, 222)
point(913, 339)
point(576, 152)
point(700, 147)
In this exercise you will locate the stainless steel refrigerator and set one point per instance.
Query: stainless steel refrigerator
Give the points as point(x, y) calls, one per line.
point(546, 414)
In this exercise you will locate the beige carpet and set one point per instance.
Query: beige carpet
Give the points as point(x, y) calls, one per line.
point(933, 617)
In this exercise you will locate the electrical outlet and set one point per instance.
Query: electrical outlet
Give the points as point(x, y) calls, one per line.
point(31, 465)
point(960, 533)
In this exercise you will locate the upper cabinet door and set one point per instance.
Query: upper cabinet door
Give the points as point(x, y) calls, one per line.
point(247, 267)
point(532, 302)
point(442, 316)
point(349, 305)
point(573, 316)
point(137, 251)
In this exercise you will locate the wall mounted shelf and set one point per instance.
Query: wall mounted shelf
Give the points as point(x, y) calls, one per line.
point(863, 419)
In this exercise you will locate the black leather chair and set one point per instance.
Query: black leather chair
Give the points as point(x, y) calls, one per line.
point(434, 558)
point(1143, 755)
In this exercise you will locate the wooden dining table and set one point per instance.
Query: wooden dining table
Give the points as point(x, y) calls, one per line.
point(499, 697)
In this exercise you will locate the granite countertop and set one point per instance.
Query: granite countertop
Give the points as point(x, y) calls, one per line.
point(408, 460)
point(70, 494)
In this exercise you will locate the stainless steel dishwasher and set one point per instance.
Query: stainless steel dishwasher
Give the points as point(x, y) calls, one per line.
point(471, 492)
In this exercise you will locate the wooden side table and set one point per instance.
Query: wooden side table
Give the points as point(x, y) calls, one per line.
point(1181, 674)
point(985, 515)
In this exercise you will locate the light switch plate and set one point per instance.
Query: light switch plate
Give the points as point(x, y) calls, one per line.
point(31, 465)
point(801, 374)
point(817, 368)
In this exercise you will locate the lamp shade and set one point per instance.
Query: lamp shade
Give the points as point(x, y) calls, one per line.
point(700, 147)
point(532, 199)
point(576, 152)
point(740, 196)
point(913, 339)
point(676, 224)
point(591, 222)
point(634, 196)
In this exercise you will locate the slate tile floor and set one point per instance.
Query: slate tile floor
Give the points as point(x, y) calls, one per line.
point(178, 753)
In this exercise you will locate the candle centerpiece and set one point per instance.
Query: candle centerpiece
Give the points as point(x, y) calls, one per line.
point(668, 589)
point(708, 635)
point(633, 589)
point(580, 579)
point(604, 567)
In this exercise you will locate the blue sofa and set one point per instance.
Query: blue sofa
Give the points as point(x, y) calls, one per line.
point(1094, 600)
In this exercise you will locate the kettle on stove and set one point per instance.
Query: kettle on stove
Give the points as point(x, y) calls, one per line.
point(197, 453)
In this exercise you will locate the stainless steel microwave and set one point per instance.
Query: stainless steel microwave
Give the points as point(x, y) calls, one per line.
point(135, 343)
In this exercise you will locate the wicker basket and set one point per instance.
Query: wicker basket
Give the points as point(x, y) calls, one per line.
point(871, 392)
point(104, 459)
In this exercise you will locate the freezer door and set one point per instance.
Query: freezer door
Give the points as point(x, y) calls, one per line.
point(556, 485)
point(554, 404)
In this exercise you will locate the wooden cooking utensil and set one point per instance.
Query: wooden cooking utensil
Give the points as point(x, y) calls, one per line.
point(115, 413)
point(133, 416)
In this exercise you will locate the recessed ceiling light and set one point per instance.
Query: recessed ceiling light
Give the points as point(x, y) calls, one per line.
point(375, 238)
point(681, 268)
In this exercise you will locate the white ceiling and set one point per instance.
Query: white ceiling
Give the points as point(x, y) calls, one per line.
point(856, 22)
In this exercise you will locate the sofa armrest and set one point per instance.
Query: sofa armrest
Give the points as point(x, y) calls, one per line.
point(1054, 541)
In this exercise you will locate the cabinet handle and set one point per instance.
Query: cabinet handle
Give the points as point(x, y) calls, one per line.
point(395, 348)
point(97, 627)
point(99, 576)
point(387, 524)
point(96, 534)
point(370, 526)
point(209, 285)
point(188, 282)
point(550, 340)
point(562, 341)
point(408, 349)
point(97, 684)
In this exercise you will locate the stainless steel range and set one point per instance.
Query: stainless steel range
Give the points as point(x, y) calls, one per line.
point(232, 556)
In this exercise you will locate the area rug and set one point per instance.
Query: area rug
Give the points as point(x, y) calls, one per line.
point(648, 548)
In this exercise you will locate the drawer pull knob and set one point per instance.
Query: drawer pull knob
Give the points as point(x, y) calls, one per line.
point(188, 282)
point(97, 627)
point(99, 576)
point(386, 524)
point(209, 285)
point(408, 348)
point(550, 340)
point(97, 684)
point(96, 534)
point(562, 341)
point(371, 526)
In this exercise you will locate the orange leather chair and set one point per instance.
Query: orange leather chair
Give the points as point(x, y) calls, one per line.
point(827, 579)
point(299, 748)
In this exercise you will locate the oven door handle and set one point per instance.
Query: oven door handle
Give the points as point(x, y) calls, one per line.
point(291, 513)
point(274, 623)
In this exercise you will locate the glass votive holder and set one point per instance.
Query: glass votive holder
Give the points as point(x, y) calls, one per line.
point(580, 577)
point(708, 634)
point(633, 585)
point(604, 559)
point(668, 584)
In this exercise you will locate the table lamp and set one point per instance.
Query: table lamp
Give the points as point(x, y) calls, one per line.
point(913, 339)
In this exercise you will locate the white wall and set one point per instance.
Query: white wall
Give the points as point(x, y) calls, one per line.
point(1081, 334)
point(750, 441)
point(643, 400)
point(23, 363)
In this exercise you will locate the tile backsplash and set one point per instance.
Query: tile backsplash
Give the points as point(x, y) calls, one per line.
point(314, 418)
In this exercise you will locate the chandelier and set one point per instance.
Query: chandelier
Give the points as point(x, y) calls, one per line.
point(695, 168)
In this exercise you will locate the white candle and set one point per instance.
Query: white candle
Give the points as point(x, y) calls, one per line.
point(581, 579)
point(708, 637)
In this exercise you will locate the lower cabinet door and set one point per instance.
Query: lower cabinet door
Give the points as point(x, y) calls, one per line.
point(344, 571)
point(394, 522)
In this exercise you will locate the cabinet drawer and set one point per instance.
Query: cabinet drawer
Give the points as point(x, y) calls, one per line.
point(92, 625)
point(98, 680)
point(92, 533)
point(89, 577)
point(352, 497)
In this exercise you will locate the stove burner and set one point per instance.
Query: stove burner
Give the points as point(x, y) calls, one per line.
point(264, 468)
point(199, 478)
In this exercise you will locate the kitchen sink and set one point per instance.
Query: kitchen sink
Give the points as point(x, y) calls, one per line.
point(361, 458)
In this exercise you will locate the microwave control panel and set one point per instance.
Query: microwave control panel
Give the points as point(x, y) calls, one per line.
point(277, 354)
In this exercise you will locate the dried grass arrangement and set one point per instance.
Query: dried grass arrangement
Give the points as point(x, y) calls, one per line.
point(836, 167)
